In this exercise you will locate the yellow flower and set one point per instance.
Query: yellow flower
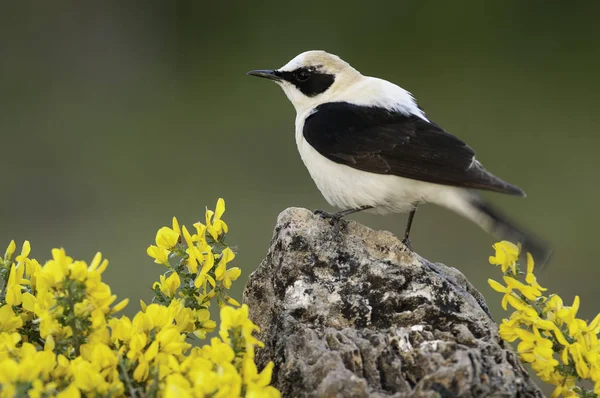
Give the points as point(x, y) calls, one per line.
point(177, 386)
point(530, 277)
point(14, 285)
point(70, 392)
point(171, 341)
point(542, 323)
point(529, 292)
point(78, 271)
point(142, 370)
point(203, 276)
point(507, 254)
point(501, 289)
point(507, 330)
point(55, 270)
point(563, 315)
point(72, 344)
point(98, 266)
point(119, 306)
point(175, 227)
point(168, 286)
point(538, 351)
point(511, 285)
point(251, 375)
point(10, 250)
point(166, 238)
point(184, 317)
point(8, 320)
point(195, 256)
point(207, 325)
point(232, 301)
point(565, 388)
point(237, 318)
point(227, 275)
point(218, 351)
point(214, 224)
point(160, 256)
point(200, 235)
point(32, 269)
point(25, 250)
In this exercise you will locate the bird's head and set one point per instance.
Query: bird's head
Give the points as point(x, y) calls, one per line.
point(312, 78)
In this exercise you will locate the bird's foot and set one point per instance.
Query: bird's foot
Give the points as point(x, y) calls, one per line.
point(335, 219)
point(407, 243)
point(324, 215)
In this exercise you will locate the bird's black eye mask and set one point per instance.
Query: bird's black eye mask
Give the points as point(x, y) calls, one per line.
point(309, 80)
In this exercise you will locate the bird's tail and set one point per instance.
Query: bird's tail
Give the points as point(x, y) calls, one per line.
point(499, 225)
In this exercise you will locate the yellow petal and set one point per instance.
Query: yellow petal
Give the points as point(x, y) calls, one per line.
point(513, 283)
point(233, 302)
point(575, 306)
point(26, 249)
point(176, 226)
point(234, 273)
point(29, 301)
point(208, 216)
point(102, 266)
point(166, 238)
point(220, 209)
point(530, 263)
point(560, 337)
point(159, 255)
point(227, 255)
point(265, 376)
point(10, 250)
point(211, 280)
point(224, 226)
point(226, 283)
point(119, 306)
point(517, 303)
point(187, 236)
point(497, 286)
point(594, 324)
point(141, 372)
point(209, 262)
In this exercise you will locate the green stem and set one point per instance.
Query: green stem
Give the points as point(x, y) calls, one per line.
point(73, 320)
point(128, 382)
point(4, 282)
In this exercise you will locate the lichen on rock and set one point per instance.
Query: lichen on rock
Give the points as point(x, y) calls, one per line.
point(356, 314)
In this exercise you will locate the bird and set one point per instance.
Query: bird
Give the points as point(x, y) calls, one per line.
point(369, 146)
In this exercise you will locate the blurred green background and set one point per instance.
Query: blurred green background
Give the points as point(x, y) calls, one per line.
point(116, 116)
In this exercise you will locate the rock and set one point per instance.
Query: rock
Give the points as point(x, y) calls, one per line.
point(356, 314)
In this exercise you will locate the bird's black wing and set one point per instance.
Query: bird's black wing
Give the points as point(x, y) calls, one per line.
point(381, 141)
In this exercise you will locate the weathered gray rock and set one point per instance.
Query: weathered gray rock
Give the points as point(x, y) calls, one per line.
point(358, 315)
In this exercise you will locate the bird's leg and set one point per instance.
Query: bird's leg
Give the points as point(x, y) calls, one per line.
point(340, 214)
point(334, 218)
point(411, 216)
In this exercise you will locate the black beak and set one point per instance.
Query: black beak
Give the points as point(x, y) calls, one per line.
point(266, 73)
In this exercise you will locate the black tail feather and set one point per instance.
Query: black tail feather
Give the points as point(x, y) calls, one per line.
point(503, 228)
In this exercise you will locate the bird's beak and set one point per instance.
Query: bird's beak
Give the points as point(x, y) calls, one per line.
point(266, 73)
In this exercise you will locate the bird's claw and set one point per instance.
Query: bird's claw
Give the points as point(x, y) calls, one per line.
point(407, 243)
point(323, 214)
point(334, 220)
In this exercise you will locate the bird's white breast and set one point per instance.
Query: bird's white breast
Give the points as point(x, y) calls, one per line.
point(348, 188)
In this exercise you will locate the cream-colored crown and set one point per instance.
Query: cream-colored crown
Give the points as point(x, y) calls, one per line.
point(328, 63)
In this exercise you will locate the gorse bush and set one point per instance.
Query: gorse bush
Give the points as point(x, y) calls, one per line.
point(561, 348)
point(59, 335)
